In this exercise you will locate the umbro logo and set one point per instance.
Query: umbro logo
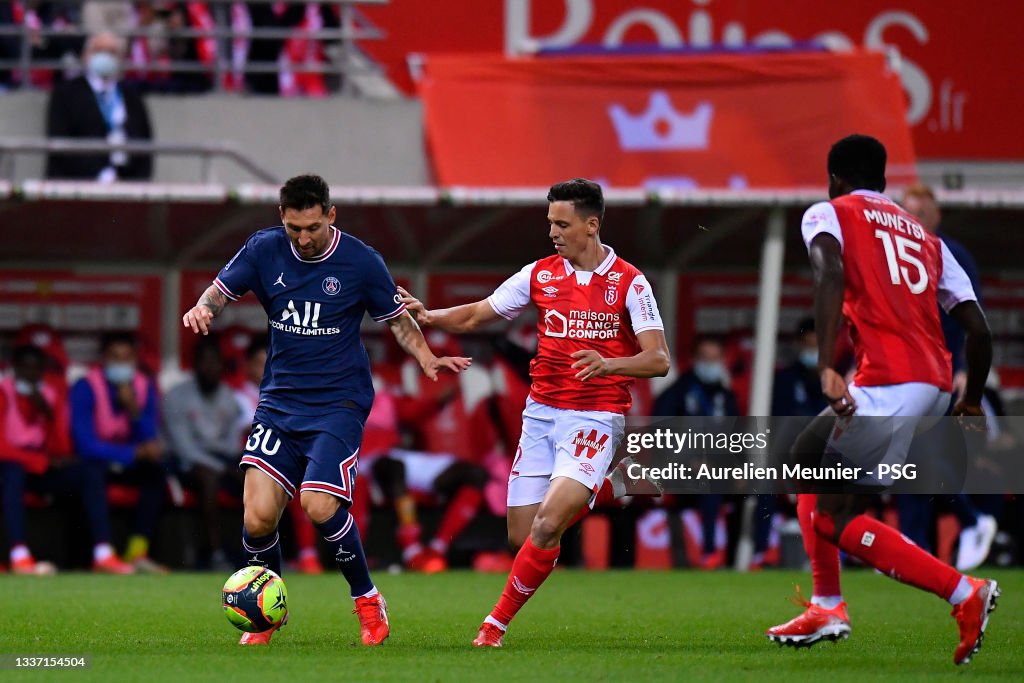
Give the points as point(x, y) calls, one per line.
point(550, 291)
point(280, 280)
point(518, 585)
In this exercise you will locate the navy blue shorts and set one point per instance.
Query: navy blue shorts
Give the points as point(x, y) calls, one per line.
point(315, 453)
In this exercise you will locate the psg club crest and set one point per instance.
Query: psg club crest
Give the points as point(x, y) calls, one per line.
point(611, 295)
point(331, 285)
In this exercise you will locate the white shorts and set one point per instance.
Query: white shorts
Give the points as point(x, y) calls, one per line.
point(578, 444)
point(421, 468)
point(891, 416)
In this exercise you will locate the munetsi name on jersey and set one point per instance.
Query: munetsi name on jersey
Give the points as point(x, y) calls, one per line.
point(894, 221)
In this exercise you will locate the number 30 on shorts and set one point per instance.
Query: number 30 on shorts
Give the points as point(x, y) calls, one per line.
point(260, 439)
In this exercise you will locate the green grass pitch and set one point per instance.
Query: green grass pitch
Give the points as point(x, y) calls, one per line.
point(581, 626)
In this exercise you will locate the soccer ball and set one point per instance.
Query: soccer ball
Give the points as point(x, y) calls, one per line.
point(255, 599)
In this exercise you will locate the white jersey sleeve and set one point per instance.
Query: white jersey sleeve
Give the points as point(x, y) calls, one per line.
point(642, 306)
point(821, 218)
point(513, 295)
point(954, 285)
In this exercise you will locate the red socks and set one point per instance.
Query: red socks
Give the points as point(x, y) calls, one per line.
point(892, 553)
point(530, 569)
point(823, 553)
point(460, 512)
point(605, 495)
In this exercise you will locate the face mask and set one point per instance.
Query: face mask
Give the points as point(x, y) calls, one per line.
point(709, 373)
point(119, 373)
point(23, 387)
point(809, 357)
point(102, 65)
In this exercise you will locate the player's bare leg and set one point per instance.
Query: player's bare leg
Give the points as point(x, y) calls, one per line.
point(613, 487)
point(520, 521)
point(330, 516)
point(536, 559)
point(840, 519)
point(264, 501)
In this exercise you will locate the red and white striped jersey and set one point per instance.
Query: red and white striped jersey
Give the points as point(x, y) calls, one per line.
point(602, 311)
point(896, 272)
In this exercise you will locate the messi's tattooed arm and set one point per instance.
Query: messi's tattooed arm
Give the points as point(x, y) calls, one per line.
point(209, 306)
point(410, 338)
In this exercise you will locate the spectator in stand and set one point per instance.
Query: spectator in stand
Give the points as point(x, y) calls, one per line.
point(201, 50)
point(32, 17)
point(978, 530)
point(35, 455)
point(797, 389)
point(107, 15)
point(703, 390)
point(267, 51)
point(114, 428)
point(289, 56)
point(200, 419)
point(97, 106)
point(46, 339)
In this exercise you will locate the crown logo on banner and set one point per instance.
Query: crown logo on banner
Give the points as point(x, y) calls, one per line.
point(661, 127)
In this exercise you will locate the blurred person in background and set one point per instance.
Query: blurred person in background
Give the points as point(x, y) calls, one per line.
point(151, 54)
point(107, 15)
point(98, 106)
point(702, 391)
point(455, 434)
point(35, 455)
point(33, 18)
point(114, 427)
point(978, 530)
point(797, 389)
point(200, 418)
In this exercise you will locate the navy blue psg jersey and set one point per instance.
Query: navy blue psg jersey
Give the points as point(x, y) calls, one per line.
point(316, 360)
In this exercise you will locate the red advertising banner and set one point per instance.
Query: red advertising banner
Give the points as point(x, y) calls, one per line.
point(956, 58)
point(710, 121)
point(80, 307)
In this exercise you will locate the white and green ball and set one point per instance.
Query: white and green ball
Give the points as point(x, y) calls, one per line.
point(255, 599)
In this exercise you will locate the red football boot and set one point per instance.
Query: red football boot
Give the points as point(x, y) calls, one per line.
point(373, 619)
point(972, 617)
point(815, 624)
point(262, 638)
point(489, 636)
point(112, 565)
